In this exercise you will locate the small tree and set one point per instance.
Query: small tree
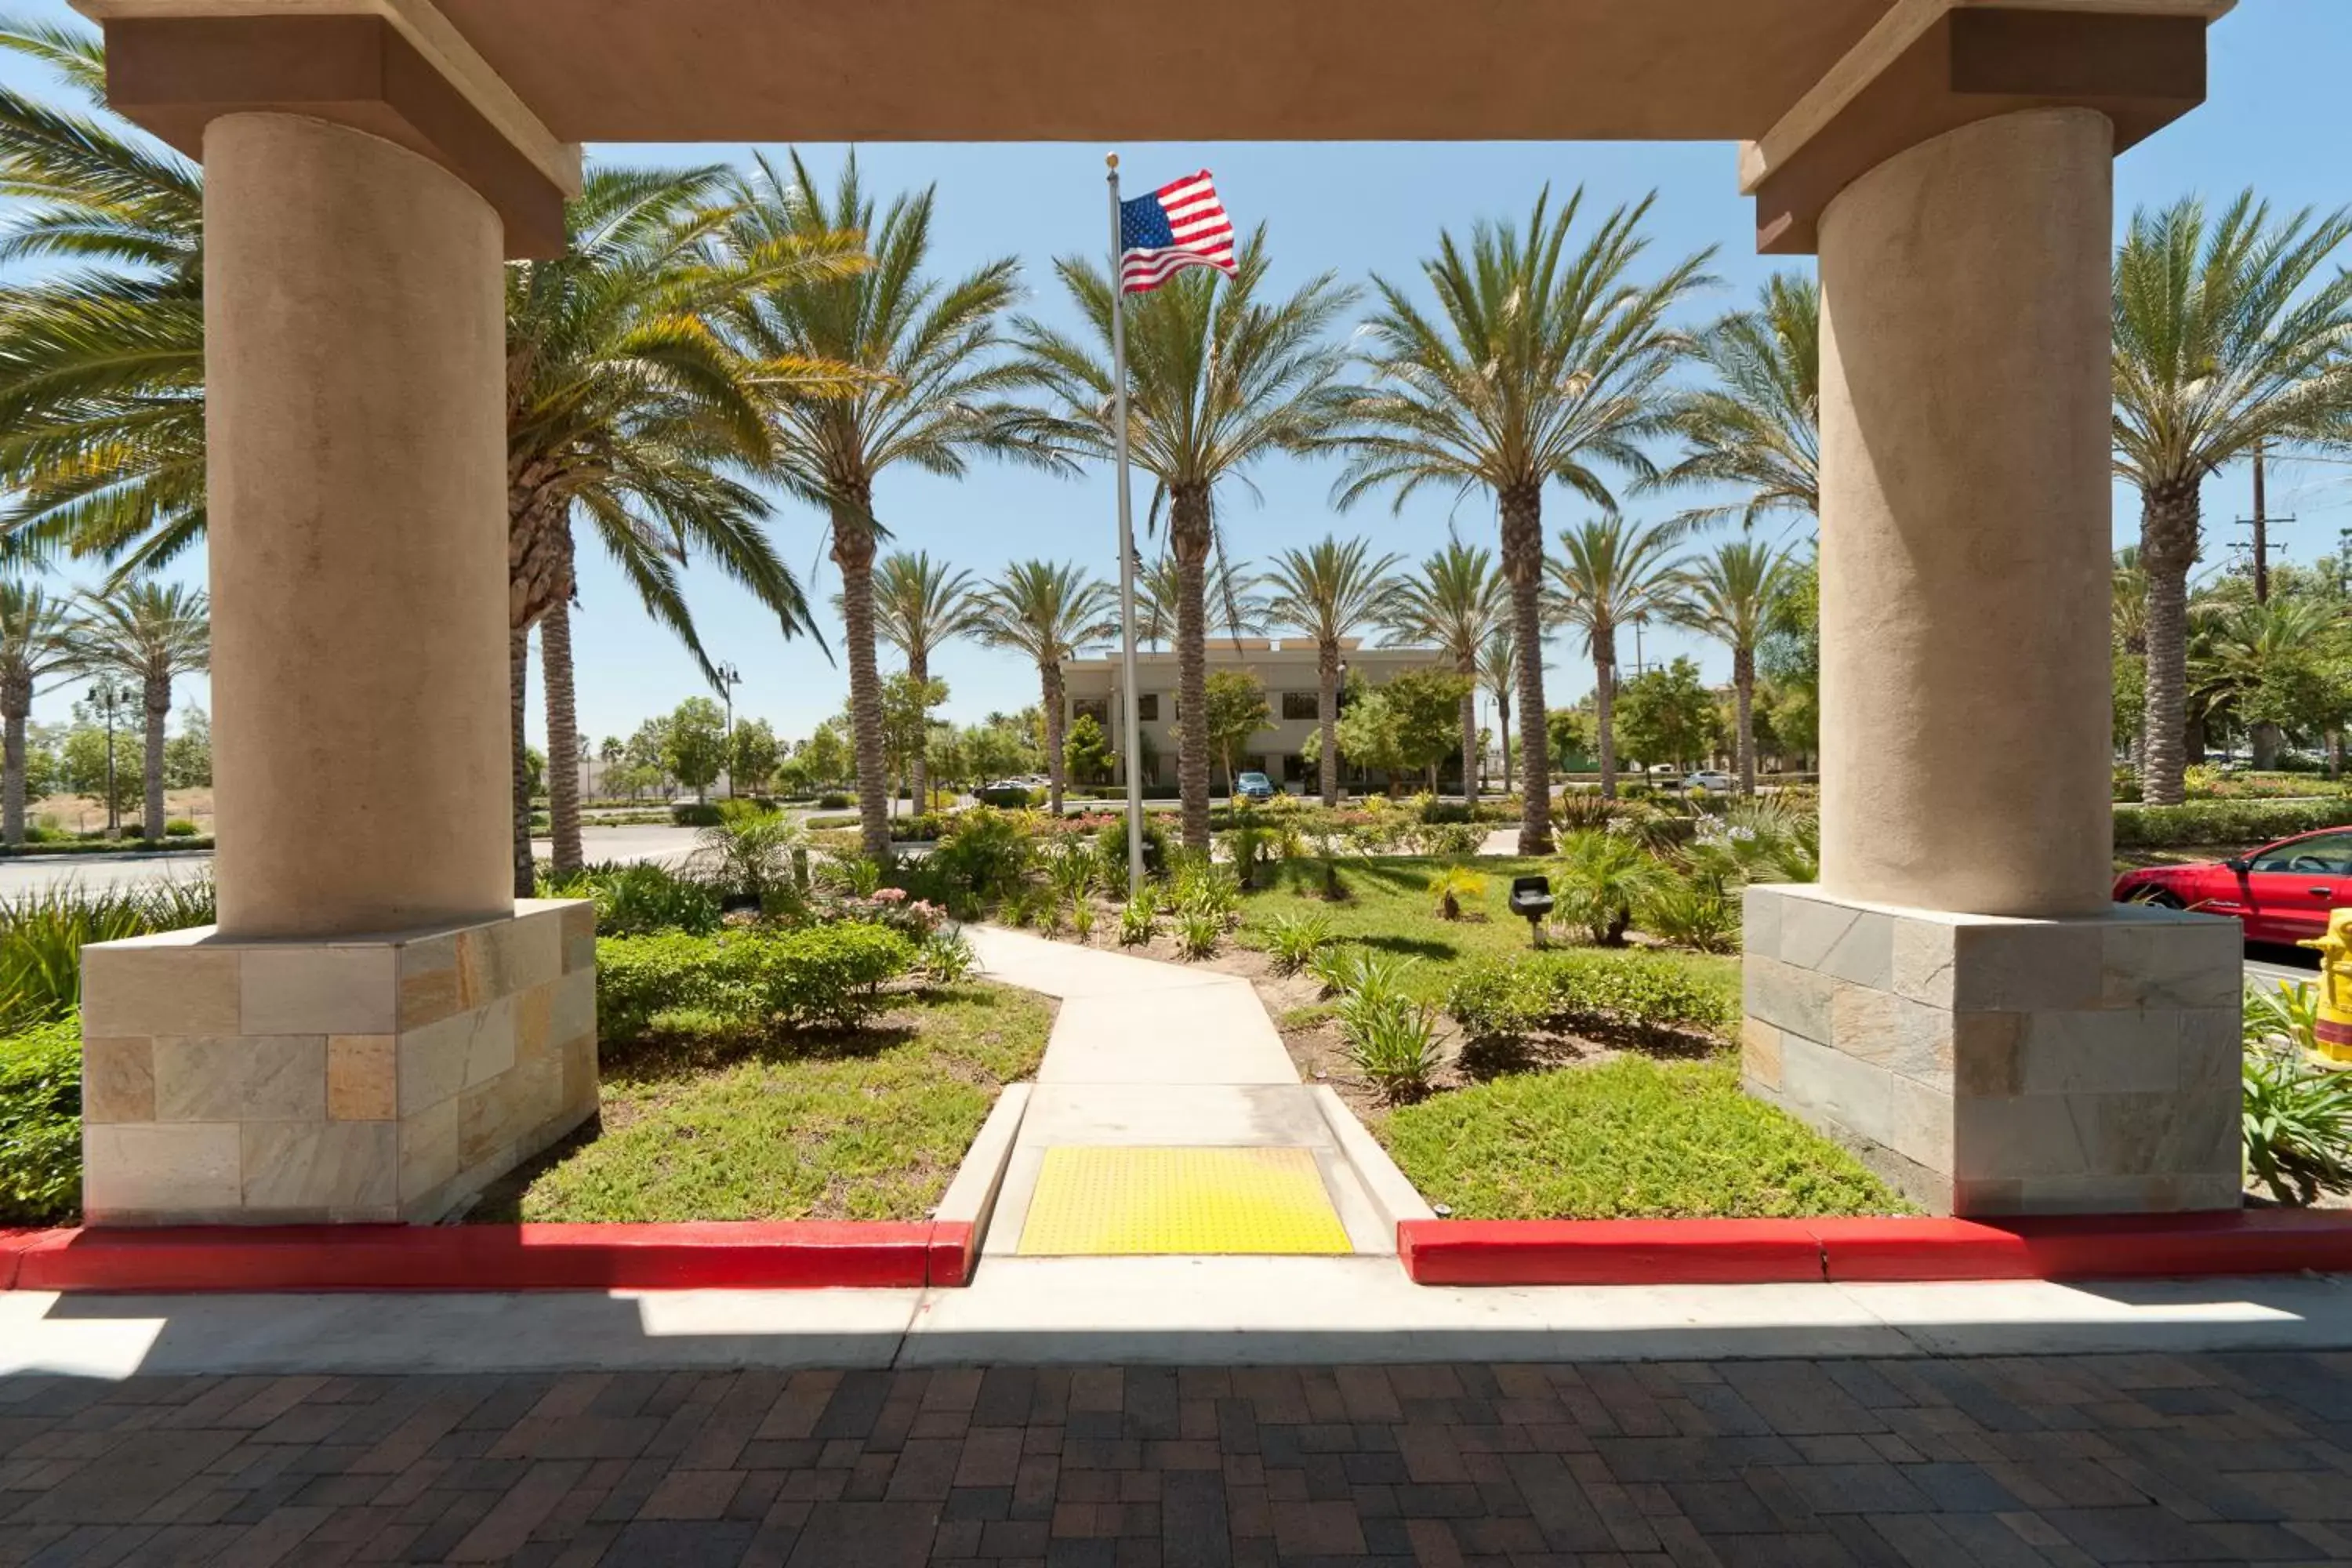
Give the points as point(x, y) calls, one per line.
point(1406, 726)
point(1568, 732)
point(1087, 751)
point(1235, 708)
point(694, 744)
point(188, 755)
point(824, 756)
point(752, 755)
point(907, 704)
point(1669, 716)
point(1001, 748)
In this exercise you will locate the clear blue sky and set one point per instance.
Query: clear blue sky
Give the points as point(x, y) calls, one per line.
point(2274, 120)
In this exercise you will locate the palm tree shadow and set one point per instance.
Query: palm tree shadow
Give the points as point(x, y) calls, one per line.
point(1411, 946)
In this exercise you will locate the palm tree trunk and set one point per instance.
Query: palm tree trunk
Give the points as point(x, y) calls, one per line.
point(1605, 704)
point(16, 707)
point(852, 551)
point(2334, 755)
point(918, 666)
point(1049, 686)
point(2267, 747)
point(1190, 534)
point(518, 682)
point(1468, 665)
point(562, 739)
point(158, 693)
point(2167, 549)
point(1502, 734)
point(1523, 566)
point(1327, 717)
point(1743, 688)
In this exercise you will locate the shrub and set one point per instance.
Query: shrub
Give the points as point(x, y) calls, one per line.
point(1198, 933)
point(2297, 1124)
point(1692, 914)
point(834, 800)
point(1082, 917)
point(2226, 821)
point(42, 934)
point(1293, 940)
point(179, 827)
point(1451, 885)
point(639, 898)
point(1450, 839)
point(1392, 1041)
point(1110, 851)
point(1635, 993)
point(749, 855)
point(696, 813)
point(1598, 879)
point(1200, 888)
point(985, 853)
point(946, 958)
point(41, 1123)
point(829, 975)
point(1135, 918)
point(1012, 797)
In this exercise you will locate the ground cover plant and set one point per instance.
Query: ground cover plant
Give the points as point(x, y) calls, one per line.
point(709, 1119)
point(1624, 1138)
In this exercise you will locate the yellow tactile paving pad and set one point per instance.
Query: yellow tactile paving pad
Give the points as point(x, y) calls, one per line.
point(1101, 1202)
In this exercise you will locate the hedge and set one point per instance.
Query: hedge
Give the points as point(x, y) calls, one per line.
point(2232, 822)
point(40, 1124)
point(829, 975)
point(1587, 989)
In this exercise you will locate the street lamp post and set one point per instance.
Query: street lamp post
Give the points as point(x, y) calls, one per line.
point(730, 677)
point(104, 692)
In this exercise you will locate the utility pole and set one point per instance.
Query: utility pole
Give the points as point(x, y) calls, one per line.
point(2260, 523)
point(730, 677)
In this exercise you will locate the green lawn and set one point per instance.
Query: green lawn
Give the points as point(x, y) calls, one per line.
point(865, 1125)
point(1624, 1139)
point(1388, 907)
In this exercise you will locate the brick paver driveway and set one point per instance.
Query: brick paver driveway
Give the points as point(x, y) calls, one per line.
point(2220, 1459)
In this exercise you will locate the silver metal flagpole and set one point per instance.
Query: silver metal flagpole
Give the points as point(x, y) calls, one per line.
point(1134, 738)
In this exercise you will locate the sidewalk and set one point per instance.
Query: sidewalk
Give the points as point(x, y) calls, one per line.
point(1152, 1055)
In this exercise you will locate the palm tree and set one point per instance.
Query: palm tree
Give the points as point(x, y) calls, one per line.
point(152, 634)
point(928, 395)
point(1540, 364)
point(612, 389)
point(1612, 572)
point(2263, 659)
point(1729, 596)
point(2226, 337)
point(1327, 591)
point(1229, 595)
point(1456, 603)
point(1217, 379)
point(35, 641)
point(1048, 610)
point(919, 604)
point(1498, 672)
point(1758, 430)
point(625, 408)
point(102, 366)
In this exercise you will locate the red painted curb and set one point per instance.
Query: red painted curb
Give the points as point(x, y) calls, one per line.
point(1691, 1252)
point(805, 1254)
point(954, 1252)
point(1608, 1251)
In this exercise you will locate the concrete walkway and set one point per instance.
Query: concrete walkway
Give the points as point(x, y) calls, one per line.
point(1163, 1054)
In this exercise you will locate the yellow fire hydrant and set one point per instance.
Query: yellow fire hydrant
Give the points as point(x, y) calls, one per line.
point(2332, 1029)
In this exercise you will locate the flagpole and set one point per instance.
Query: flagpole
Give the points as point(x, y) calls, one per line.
point(1134, 737)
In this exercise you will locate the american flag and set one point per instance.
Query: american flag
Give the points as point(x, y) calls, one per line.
point(1179, 224)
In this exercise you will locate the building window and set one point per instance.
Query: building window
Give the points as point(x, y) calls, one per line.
point(1147, 707)
point(1095, 708)
point(1301, 705)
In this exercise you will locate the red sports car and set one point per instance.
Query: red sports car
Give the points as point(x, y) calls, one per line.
point(2282, 891)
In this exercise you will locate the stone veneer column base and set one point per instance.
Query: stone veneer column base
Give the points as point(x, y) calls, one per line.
point(366, 1078)
point(1990, 1065)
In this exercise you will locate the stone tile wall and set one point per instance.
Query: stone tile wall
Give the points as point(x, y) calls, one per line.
point(379, 1077)
point(1992, 1065)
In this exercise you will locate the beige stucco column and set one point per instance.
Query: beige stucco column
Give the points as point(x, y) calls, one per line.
point(354, 364)
point(1965, 519)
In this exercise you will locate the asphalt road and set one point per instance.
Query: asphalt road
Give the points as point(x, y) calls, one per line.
point(33, 873)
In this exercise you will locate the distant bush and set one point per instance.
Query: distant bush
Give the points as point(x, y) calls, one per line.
point(179, 827)
point(1013, 798)
point(833, 800)
point(1600, 992)
point(2232, 822)
point(40, 1124)
point(639, 898)
point(984, 853)
point(696, 813)
point(828, 974)
point(1110, 851)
